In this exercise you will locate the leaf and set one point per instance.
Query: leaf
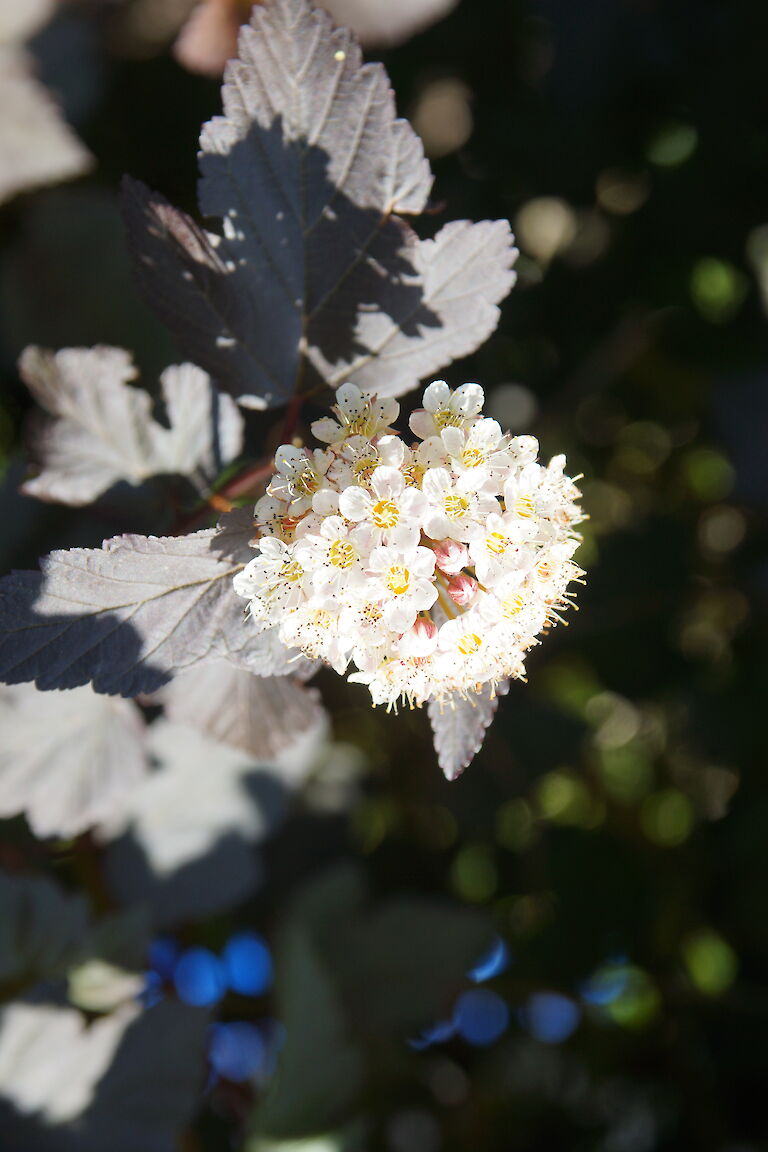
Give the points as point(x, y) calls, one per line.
point(20, 21)
point(102, 429)
point(352, 976)
point(261, 715)
point(186, 841)
point(127, 616)
point(67, 759)
point(459, 725)
point(323, 282)
point(209, 37)
point(37, 147)
point(128, 1081)
point(43, 927)
point(384, 25)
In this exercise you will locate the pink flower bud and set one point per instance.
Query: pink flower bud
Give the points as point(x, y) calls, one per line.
point(419, 641)
point(462, 590)
point(450, 556)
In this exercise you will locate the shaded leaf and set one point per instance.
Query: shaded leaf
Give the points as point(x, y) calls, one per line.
point(459, 725)
point(37, 147)
point(42, 927)
point(129, 615)
point(186, 842)
point(262, 715)
point(321, 1065)
point(67, 759)
point(128, 1081)
point(323, 283)
point(376, 973)
point(103, 431)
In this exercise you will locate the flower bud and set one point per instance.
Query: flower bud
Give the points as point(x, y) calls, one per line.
point(450, 556)
point(420, 640)
point(462, 590)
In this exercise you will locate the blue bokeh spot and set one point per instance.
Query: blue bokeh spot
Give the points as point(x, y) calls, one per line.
point(163, 955)
point(238, 1051)
point(248, 964)
point(481, 1016)
point(199, 977)
point(550, 1017)
point(495, 961)
point(435, 1034)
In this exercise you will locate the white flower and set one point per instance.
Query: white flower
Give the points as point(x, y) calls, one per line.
point(391, 508)
point(300, 474)
point(336, 556)
point(274, 582)
point(443, 408)
point(402, 583)
point(476, 454)
point(358, 415)
point(455, 511)
point(315, 628)
point(500, 547)
point(434, 567)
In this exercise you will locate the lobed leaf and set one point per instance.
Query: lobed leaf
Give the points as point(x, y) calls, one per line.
point(186, 841)
point(262, 715)
point(314, 279)
point(127, 616)
point(128, 1081)
point(459, 725)
point(67, 759)
point(37, 146)
point(101, 430)
point(375, 972)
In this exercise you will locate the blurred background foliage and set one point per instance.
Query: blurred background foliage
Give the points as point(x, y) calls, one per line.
point(601, 870)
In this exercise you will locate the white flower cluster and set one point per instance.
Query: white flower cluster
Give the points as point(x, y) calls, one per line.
point(431, 567)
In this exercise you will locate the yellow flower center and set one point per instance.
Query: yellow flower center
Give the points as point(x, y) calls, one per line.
point(471, 457)
point(304, 483)
point(291, 571)
point(444, 418)
point(364, 468)
point(455, 506)
point(523, 506)
point(496, 543)
point(414, 474)
point(371, 613)
point(341, 554)
point(321, 618)
point(362, 425)
point(544, 570)
point(385, 514)
point(512, 605)
point(398, 579)
point(470, 643)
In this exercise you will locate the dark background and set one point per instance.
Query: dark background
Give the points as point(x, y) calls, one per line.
point(614, 825)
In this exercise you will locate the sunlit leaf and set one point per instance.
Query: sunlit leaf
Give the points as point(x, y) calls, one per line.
point(128, 1081)
point(262, 715)
point(103, 430)
point(129, 615)
point(67, 759)
point(37, 147)
point(186, 841)
point(379, 23)
point(20, 21)
point(459, 725)
point(314, 279)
